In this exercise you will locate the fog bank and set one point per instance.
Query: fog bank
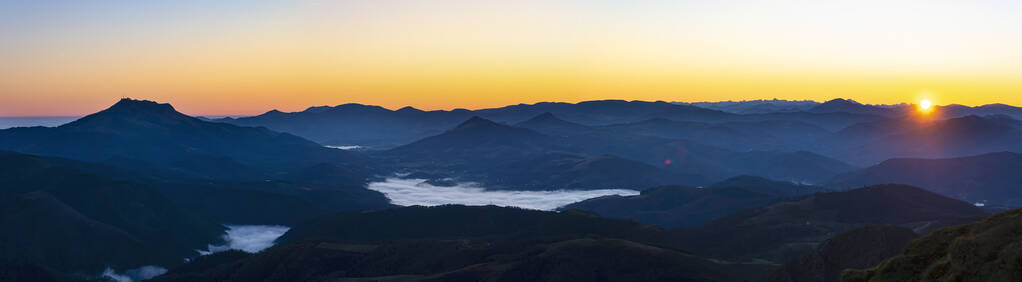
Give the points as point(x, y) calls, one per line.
point(135, 274)
point(409, 192)
point(249, 238)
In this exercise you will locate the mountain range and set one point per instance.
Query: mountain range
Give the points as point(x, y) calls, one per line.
point(736, 191)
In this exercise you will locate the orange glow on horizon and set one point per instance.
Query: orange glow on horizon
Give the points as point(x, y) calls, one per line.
point(925, 106)
point(248, 57)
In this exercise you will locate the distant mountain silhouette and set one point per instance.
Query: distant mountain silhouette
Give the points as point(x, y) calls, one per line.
point(910, 137)
point(984, 110)
point(859, 248)
point(851, 106)
point(496, 154)
point(604, 112)
point(478, 141)
point(756, 106)
point(156, 133)
point(355, 124)
point(769, 134)
point(226, 172)
point(989, 178)
point(567, 171)
point(783, 231)
point(982, 251)
point(549, 124)
point(499, 156)
point(677, 206)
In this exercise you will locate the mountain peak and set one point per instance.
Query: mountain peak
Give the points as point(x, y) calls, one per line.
point(318, 109)
point(842, 101)
point(132, 105)
point(476, 122)
point(409, 109)
point(544, 117)
point(128, 109)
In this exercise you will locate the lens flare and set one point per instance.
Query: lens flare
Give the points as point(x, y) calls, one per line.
point(925, 106)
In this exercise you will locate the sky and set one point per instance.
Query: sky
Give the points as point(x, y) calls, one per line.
point(237, 57)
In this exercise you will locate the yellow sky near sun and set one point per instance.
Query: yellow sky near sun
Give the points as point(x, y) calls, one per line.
point(252, 56)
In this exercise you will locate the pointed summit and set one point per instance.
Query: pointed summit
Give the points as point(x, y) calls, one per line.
point(848, 106)
point(548, 123)
point(409, 109)
point(476, 122)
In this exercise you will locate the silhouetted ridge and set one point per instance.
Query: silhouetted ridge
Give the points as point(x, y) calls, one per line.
point(318, 109)
point(844, 105)
point(988, 178)
point(476, 122)
point(129, 104)
point(409, 109)
point(135, 112)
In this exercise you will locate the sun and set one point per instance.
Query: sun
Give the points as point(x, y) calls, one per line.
point(925, 106)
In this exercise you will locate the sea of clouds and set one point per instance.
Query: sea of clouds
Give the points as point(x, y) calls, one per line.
point(410, 192)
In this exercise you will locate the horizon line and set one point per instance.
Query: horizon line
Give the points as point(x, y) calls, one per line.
point(497, 107)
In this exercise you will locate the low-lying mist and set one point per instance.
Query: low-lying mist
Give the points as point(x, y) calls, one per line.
point(249, 238)
point(135, 274)
point(409, 192)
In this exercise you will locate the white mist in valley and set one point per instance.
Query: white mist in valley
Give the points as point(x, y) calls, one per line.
point(344, 147)
point(410, 192)
point(249, 238)
point(136, 274)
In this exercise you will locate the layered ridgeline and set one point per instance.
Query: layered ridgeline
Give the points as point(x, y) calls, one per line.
point(68, 221)
point(354, 124)
point(783, 231)
point(681, 206)
point(156, 134)
point(228, 173)
point(462, 243)
point(987, 250)
point(844, 129)
point(989, 178)
point(500, 155)
point(929, 137)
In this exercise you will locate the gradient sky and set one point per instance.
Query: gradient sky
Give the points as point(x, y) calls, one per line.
point(246, 57)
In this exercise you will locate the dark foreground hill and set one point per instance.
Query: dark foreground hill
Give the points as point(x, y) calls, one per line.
point(860, 248)
point(679, 206)
point(577, 259)
point(783, 231)
point(989, 178)
point(68, 220)
point(987, 250)
point(459, 243)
